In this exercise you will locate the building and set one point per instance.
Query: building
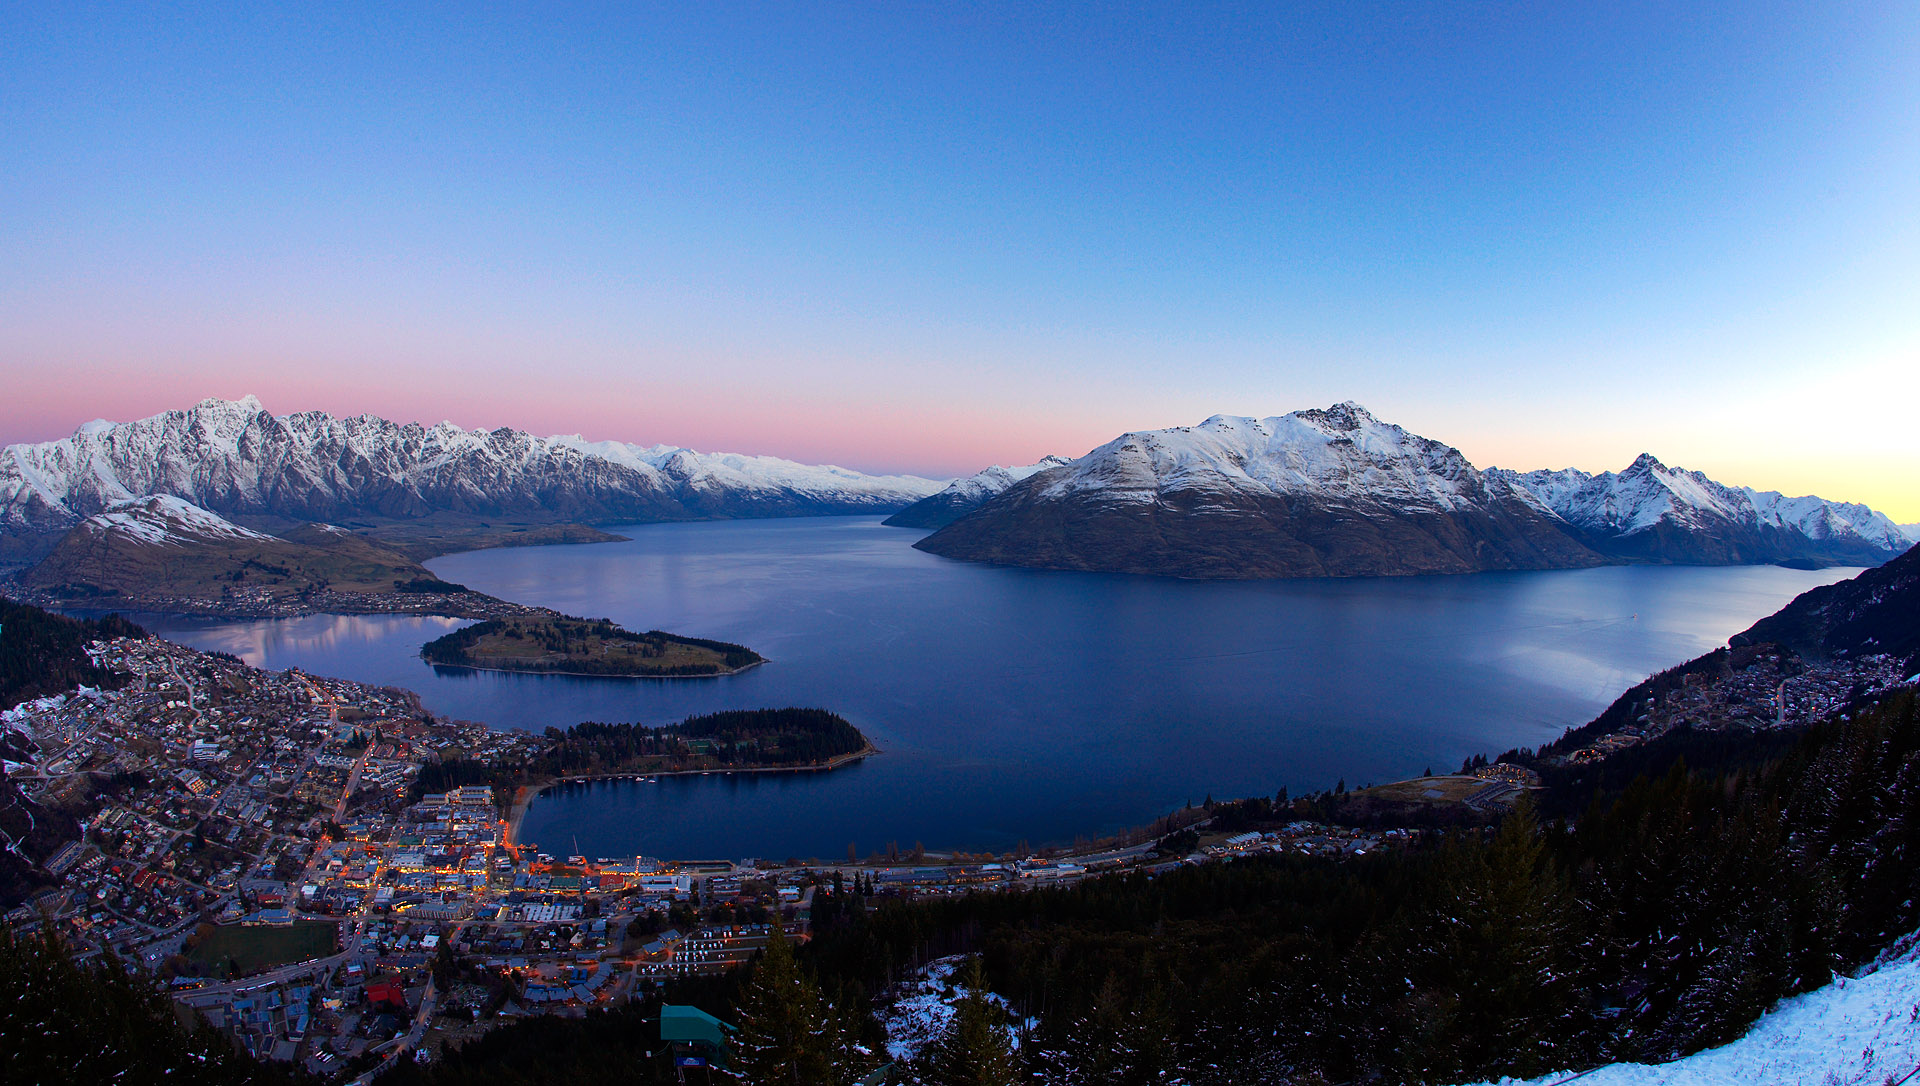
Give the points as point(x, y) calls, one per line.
point(697, 1038)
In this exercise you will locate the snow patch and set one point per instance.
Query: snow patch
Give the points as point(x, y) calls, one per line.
point(164, 520)
point(1863, 1029)
point(923, 1008)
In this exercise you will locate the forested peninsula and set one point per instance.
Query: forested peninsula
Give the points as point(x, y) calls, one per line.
point(736, 740)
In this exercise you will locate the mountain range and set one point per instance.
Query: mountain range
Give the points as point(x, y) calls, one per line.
point(963, 496)
point(234, 458)
point(1651, 512)
point(1337, 492)
point(1325, 492)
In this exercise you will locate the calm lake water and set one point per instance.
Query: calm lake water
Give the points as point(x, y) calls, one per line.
point(1021, 705)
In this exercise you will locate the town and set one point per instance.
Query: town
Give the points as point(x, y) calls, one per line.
point(261, 843)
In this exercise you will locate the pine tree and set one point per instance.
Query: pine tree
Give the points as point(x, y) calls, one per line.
point(784, 1037)
point(974, 1050)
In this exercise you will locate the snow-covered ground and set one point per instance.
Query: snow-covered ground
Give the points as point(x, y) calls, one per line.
point(923, 1008)
point(1858, 1031)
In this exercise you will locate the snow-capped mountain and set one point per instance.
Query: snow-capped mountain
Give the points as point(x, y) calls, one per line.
point(237, 459)
point(1330, 492)
point(963, 496)
point(1651, 512)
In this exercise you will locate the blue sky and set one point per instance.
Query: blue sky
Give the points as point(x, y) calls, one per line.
point(929, 237)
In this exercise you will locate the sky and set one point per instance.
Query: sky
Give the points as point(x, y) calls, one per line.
point(930, 237)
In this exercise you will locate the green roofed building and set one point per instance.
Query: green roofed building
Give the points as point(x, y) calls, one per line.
point(697, 1038)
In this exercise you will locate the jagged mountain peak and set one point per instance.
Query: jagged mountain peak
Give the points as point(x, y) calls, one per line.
point(235, 458)
point(1345, 415)
point(249, 404)
point(1650, 511)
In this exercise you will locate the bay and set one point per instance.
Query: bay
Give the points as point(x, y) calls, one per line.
point(1020, 705)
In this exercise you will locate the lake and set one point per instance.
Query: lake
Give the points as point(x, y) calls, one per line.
point(1019, 705)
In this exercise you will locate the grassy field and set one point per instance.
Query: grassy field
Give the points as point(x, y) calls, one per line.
point(253, 950)
point(1448, 789)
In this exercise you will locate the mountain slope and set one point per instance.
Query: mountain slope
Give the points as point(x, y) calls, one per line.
point(161, 546)
point(1875, 612)
point(1858, 1029)
point(236, 459)
point(1311, 494)
point(1653, 513)
point(963, 496)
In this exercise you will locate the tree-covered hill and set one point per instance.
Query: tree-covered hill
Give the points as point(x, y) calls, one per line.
point(733, 739)
point(63, 1021)
point(562, 644)
point(42, 653)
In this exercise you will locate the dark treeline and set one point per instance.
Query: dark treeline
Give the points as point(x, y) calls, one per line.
point(1665, 918)
point(572, 638)
point(619, 1046)
point(740, 737)
point(1674, 911)
point(760, 737)
point(63, 1021)
point(43, 653)
point(432, 586)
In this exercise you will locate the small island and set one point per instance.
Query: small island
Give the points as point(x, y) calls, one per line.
point(553, 644)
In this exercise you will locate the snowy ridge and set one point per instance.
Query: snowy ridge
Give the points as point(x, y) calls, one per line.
point(1863, 1029)
point(987, 482)
point(963, 496)
point(1329, 492)
point(1341, 455)
point(166, 521)
point(1650, 497)
point(740, 472)
point(235, 458)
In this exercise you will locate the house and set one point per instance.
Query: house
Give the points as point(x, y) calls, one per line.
point(387, 994)
point(697, 1038)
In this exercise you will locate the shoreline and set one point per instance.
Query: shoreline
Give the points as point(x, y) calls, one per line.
point(408, 605)
point(592, 674)
point(523, 798)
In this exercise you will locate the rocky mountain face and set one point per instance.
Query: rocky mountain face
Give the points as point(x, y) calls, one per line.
point(1320, 493)
point(236, 459)
point(963, 496)
point(1653, 513)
